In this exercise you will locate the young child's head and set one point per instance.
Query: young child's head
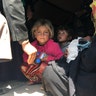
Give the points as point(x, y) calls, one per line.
point(64, 34)
point(42, 30)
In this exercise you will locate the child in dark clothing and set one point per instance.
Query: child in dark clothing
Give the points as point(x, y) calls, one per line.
point(64, 36)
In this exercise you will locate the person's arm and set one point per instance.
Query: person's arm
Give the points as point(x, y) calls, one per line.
point(89, 58)
point(15, 15)
point(56, 53)
point(29, 59)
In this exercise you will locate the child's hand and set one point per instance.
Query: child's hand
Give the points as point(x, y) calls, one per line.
point(30, 51)
point(31, 58)
point(44, 59)
point(28, 48)
point(66, 53)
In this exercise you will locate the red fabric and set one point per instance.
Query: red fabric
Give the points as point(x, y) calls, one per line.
point(34, 72)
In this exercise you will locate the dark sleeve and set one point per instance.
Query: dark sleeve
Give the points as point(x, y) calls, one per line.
point(89, 59)
point(1, 7)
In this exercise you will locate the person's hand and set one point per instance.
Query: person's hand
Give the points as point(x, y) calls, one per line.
point(44, 59)
point(28, 48)
point(31, 58)
point(30, 51)
point(66, 53)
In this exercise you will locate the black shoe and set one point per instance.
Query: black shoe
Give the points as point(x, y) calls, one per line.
point(4, 91)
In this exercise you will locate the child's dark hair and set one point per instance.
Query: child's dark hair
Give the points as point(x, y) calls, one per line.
point(68, 29)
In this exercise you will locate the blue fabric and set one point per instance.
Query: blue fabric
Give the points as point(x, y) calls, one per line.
point(83, 46)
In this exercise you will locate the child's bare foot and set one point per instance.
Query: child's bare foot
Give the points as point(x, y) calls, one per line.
point(30, 82)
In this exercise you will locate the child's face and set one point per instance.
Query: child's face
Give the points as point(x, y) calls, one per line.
point(42, 35)
point(62, 36)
